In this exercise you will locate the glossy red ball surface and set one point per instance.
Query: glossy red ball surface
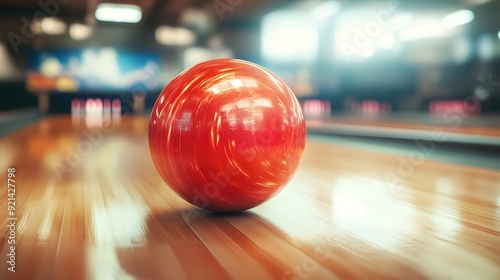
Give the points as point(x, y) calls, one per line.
point(227, 135)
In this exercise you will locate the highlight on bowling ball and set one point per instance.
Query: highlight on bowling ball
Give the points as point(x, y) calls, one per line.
point(227, 135)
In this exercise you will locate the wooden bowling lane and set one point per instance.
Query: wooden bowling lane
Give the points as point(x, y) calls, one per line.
point(448, 123)
point(90, 205)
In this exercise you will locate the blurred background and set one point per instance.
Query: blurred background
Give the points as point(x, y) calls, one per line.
point(400, 175)
point(396, 59)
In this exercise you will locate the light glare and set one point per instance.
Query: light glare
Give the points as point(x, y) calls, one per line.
point(424, 29)
point(325, 10)
point(289, 36)
point(174, 36)
point(118, 13)
point(79, 31)
point(52, 26)
point(458, 18)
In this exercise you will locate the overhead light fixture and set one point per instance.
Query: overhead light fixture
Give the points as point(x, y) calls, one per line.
point(79, 31)
point(325, 10)
point(118, 13)
point(424, 29)
point(458, 18)
point(498, 34)
point(289, 36)
point(174, 36)
point(52, 26)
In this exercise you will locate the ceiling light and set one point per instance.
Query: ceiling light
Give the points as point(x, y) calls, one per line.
point(52, 26)
point(174, 36)
point(118, 13)
point(458, 18)
point(424, 29)
point(289, 36)
point(79, 31)
point(325, 10)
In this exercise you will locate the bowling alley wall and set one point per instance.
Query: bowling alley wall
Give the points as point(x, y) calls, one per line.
point(318, 60)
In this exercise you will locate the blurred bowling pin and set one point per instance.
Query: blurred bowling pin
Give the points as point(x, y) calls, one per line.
point(106, 111)
point(75, 106)
point(75, 112)
point(89, 112)
point(116, 110)
point(98, 112)
point(328, 108)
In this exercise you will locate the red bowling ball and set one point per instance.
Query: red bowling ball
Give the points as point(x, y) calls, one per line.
point(227, 135)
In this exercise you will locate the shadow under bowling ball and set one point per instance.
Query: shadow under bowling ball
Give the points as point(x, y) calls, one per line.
point(174, 248)
point(177, 245)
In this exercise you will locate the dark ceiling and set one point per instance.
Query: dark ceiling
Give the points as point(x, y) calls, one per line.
point(155, 12)
point(224, 14)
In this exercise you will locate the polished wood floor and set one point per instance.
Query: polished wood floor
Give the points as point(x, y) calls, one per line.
point(90, 205)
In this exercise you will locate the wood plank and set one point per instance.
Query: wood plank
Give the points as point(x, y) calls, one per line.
point(105, 213)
